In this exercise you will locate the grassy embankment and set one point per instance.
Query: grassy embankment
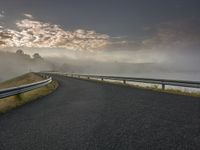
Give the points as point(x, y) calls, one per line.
point(12, 102)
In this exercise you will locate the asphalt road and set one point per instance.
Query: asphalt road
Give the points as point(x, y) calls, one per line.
point(84, 115)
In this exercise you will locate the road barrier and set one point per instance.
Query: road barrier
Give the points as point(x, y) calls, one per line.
point(23, 88)
point(162, 82)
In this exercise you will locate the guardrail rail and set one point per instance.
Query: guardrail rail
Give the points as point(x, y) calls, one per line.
point(162, 82)
point(24, 88)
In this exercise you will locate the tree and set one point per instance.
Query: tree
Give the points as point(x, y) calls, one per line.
point(20, 52)
point(37, 56)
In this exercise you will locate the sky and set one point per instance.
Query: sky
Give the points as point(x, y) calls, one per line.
point(126, 31)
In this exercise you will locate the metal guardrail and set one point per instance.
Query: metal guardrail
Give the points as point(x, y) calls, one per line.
point(162, 82)
point(23, 88)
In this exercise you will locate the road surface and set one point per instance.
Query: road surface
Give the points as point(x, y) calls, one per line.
point(85, 115)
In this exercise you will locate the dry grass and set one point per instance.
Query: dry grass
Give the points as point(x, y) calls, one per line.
point(12, 102)
point(24, 79)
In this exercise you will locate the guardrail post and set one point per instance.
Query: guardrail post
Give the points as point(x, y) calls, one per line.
point(163, 86)
point(124, 81)
point(101, 79)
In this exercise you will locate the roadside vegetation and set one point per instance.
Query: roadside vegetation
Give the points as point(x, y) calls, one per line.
point(12, 102)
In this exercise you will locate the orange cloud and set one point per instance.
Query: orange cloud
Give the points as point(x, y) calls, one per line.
point(37, 34)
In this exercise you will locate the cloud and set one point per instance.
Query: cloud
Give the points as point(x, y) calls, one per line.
point(180, 35)
point(37, 34)
point(2, 14)
point(28, 16)
point(168, 36)
point(31, 33)
point(175, 34)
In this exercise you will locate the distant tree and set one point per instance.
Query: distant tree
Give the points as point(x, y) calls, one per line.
point(37, 56)
point(20, 52)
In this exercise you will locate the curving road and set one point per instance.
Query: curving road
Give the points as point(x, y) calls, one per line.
point(84, 115)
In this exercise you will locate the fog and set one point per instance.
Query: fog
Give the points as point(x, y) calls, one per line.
point(168, 50)
point(164, 64)
point(178, 65)
point(15, 64)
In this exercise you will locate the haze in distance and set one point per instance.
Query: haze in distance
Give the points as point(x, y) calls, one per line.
point(152, 39)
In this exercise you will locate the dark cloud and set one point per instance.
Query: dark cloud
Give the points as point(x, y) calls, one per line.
point(175, 33)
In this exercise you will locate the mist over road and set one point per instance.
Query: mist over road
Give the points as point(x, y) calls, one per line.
point(84, 115)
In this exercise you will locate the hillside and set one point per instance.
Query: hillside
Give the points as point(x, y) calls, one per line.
point(21, 99)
